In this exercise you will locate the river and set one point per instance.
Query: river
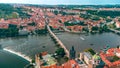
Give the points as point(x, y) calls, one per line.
point(9, 60)
point(83, 41)
point(28, 46)
point(32, 45)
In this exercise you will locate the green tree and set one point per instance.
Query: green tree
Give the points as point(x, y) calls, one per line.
point(118, 46)
point(90, 50)
point(115, 58)
point(56, 12)
point(105, 28)
point(95, 28)
point(60, 52)
point(32, 24)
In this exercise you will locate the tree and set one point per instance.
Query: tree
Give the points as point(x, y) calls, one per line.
point(85, 29)
point(56, 12)
point(33, 61)
point(90, 50)
point(105, 28)
point(94, 28)
point(60, 52)
point(115, 58)
point(64, 13)
point(118, 46)
point(32, 24)
point(96, 18)
point(108, 20)
point(12, 31)
point(60, 21)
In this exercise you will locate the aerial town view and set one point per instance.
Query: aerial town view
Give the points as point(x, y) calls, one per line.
point(59, 33)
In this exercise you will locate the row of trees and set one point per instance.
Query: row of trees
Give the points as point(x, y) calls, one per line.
point(74, 23)
point(63, 13)
point(12, 31)
point(104, 13)
point(41, 31)
point(89, 16)
point(100, 29)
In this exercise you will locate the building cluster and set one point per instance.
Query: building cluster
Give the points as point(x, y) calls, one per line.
point(86, 60)
point(37, 19)
point(55, 20)
point(108, 57)
point(45, 60)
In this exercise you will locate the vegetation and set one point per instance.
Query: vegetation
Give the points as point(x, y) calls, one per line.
point(60, 52)
point(91, 51)
point(85, 29)
point(32, 24)
point(113, 58)
point(8, 11)
point(96, 18)
point(100, 29)
point(41, 56)
point(105, 28)
point(95, 28)
point(113, 26)
point(85, 16)
point(108, 20)
point(12, 31)
point(66, 58)
point(74, 23)
point(89, 16)
point(33, 61)
point(118, 46)
point(62, 12)
point(104, 13)
point(56, 12)
point(41, 31)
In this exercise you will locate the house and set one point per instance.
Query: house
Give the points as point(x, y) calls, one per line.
point(117, 24)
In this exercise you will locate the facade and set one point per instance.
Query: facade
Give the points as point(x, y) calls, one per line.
point(87, 57)
point(117, 24)
point(93, 61)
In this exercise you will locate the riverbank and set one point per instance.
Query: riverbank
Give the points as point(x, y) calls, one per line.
point(18, 54)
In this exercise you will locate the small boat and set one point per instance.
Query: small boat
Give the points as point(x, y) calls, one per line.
point(82, 38)
point(43, 46)
point(91, 44)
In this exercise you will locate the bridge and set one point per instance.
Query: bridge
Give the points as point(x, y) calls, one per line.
point(55, 37)
point(58, 40)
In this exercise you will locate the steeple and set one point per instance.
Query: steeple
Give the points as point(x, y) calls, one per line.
point(72, 53)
